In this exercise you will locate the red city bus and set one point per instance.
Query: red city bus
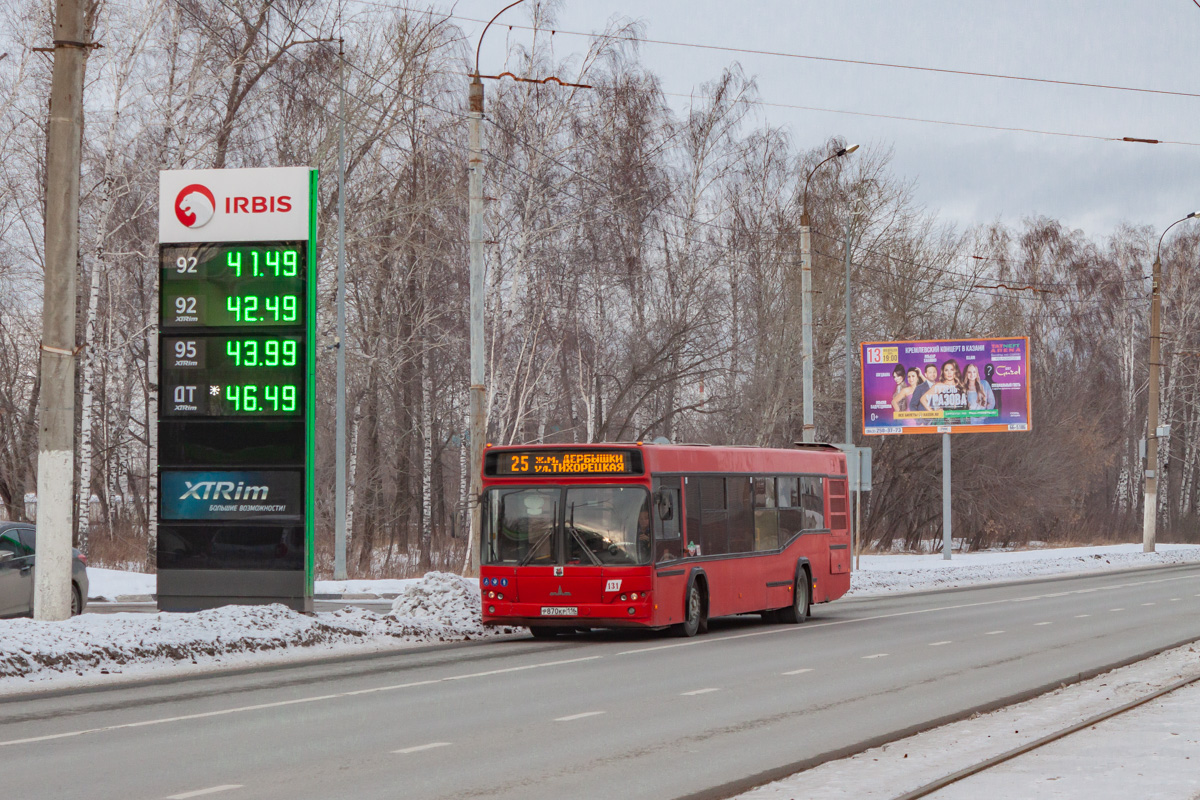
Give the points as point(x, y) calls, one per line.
point(652, 536)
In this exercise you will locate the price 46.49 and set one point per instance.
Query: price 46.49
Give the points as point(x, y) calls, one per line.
point(250, 398)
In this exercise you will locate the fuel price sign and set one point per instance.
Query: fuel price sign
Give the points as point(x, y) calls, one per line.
point(236, 387)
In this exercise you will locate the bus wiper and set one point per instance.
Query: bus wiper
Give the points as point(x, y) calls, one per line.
point(583, 546)
point(533, 550)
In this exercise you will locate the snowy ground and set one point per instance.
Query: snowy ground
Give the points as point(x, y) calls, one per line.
point(1151, 751)
point(437, 608)
point(117, 585)
point(92, 648)
point(903, 573)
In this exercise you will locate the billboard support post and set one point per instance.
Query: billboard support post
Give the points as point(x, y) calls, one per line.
point(946, 521)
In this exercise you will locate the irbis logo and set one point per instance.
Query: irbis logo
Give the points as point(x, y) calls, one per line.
point(223, 490)
point(195, 205)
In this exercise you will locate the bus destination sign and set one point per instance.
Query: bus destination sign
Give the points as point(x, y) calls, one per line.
point(563, 462)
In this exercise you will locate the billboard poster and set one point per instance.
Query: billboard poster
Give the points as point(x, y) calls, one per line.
point(946, 386)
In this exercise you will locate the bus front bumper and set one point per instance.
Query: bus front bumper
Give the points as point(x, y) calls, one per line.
point(594, 615)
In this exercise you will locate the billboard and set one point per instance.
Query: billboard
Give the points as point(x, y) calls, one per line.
point(946, 386)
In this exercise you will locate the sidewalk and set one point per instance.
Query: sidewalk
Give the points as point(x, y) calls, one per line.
point(1150, 751)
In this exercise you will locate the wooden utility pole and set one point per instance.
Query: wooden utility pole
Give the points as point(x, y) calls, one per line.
point(52, 592)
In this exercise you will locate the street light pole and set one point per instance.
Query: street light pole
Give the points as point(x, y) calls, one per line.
point(478, 420)
point(1150, 499)
point(809, 433)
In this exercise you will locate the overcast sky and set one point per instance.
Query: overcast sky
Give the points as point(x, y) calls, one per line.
point(963, 175)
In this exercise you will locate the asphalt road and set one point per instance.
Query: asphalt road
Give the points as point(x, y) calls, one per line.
point(608, 715)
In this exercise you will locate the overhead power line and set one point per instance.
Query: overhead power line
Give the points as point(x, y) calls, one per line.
point(956, 124)
point(855, 61)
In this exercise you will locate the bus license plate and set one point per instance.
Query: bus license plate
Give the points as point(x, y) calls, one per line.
point(560, 611)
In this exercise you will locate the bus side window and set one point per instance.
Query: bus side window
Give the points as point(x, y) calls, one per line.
point(691, 507)
point(791, 518)
point(668, 544)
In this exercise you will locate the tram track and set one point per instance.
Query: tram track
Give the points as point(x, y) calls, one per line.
point(955, 777)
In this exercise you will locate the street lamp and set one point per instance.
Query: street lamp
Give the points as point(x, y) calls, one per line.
point(1150, 499)
point(475, 213)
point(806, 344)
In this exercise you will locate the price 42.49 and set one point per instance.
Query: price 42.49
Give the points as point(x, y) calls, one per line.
point(251, 398)
point(263, 308)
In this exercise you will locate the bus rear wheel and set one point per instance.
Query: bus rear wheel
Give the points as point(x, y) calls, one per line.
point(543, 632)
point(797, 612)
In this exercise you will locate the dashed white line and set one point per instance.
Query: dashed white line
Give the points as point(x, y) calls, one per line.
point(1174, 599)
point(939, 644)
point(878, 655)
point(697, 691)
point(798, 671)
point(1042, 623)
point(202, 792)
point(421, 747)
point(579, 716)
point(1148, 604)
point(992, 633)
point(1081, 616)
point(1116, 609)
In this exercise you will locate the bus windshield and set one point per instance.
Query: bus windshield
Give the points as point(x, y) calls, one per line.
point(607, 525)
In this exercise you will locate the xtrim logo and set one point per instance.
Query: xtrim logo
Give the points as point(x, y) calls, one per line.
point(195, 205)
point(220, 490)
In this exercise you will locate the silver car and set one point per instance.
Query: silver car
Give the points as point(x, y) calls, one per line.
point(17, 548)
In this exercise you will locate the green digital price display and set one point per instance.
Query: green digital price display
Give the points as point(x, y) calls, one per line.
point(233, 285)
point(233, 376)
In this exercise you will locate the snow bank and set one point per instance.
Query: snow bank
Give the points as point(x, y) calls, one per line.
point(437, 608)
point(113, 585)
point(903, 573)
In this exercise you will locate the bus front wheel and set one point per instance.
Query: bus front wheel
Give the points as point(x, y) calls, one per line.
point(693, 620)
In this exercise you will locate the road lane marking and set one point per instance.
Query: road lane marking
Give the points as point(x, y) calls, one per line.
point(992, 633)
point(697, 691)
point(877, 655)
point(939, 644)
point(283, 703)
point(579, 716)
point(1148, 604)
point(1042, 623)
point(1116, 609)
point(798, 671)
point(1081, 616)
point(202, 792)
point(1174, 599)
point(421, 747)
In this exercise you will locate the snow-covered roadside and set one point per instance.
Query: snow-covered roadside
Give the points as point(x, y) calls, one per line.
point(115, 585)
point(906, 573)
point(1105, 762)
point(89, 648)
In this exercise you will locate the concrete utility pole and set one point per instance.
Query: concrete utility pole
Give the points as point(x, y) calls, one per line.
point(1150, 500)
point(56, 405)
point(478, 426)
point(339, 503)
point(809, 433)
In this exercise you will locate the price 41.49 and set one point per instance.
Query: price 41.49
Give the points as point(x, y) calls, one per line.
point(251, 398)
